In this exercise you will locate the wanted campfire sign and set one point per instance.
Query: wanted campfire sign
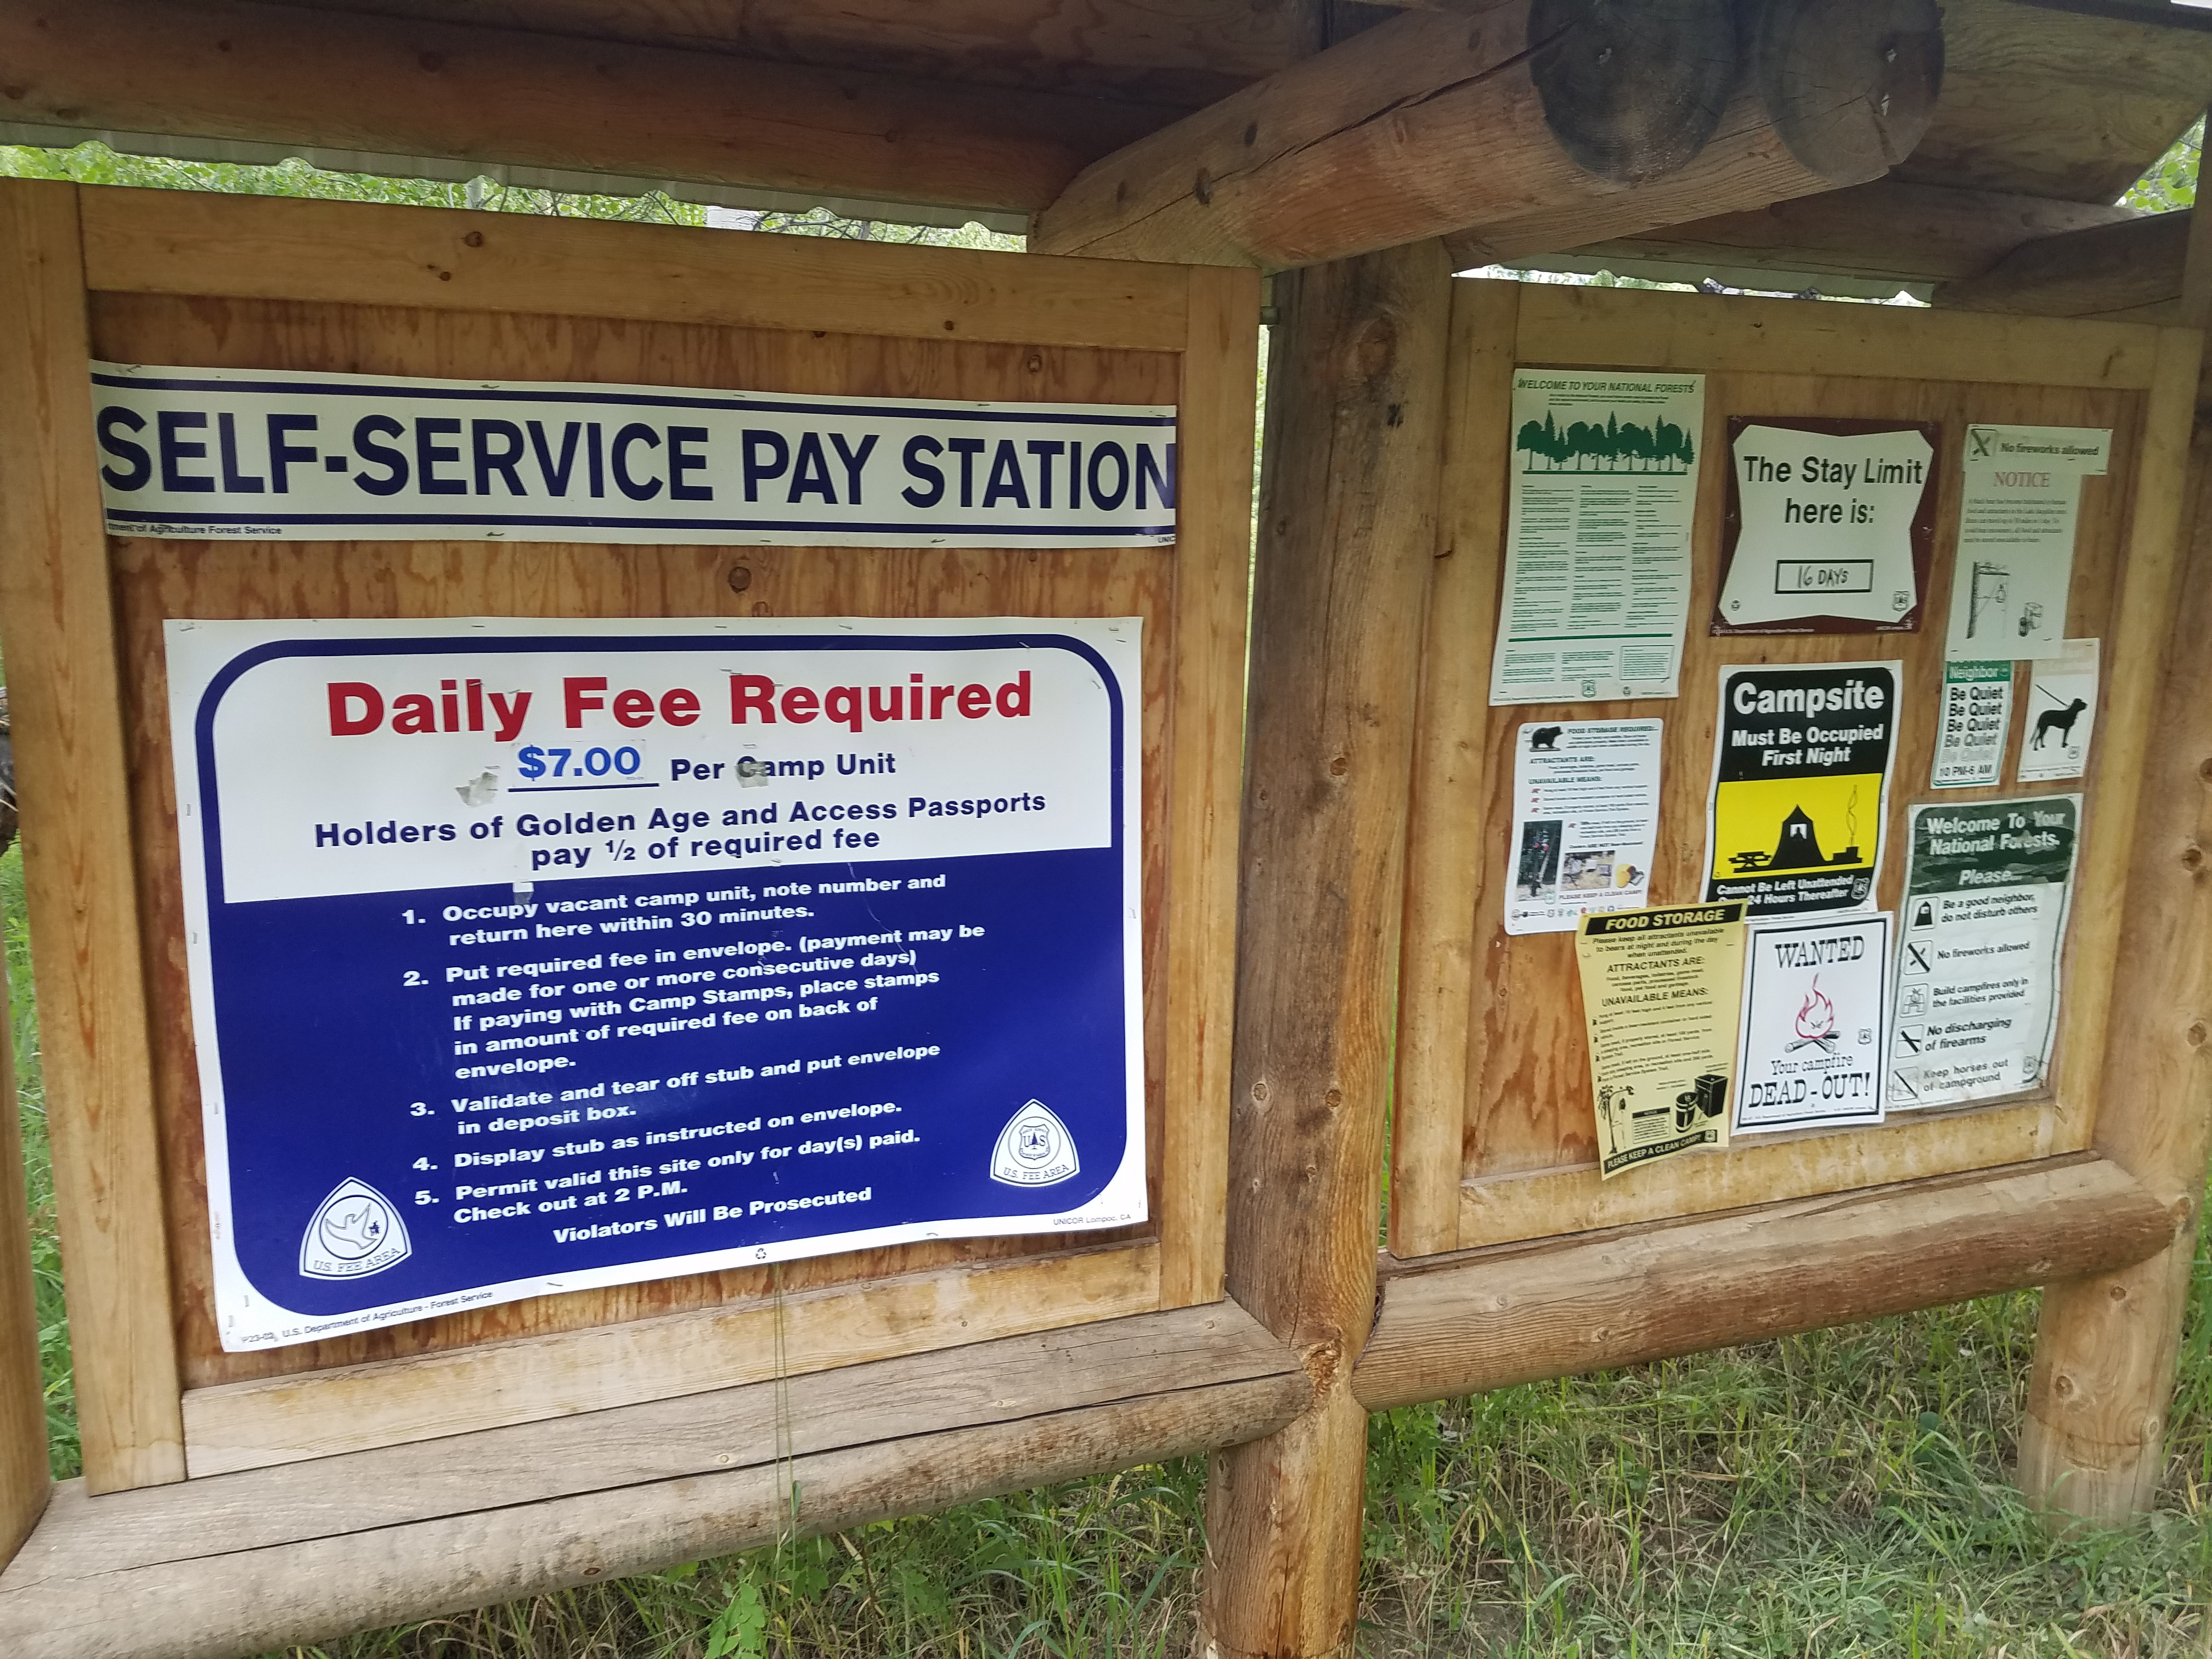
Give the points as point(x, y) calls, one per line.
point(1815, 1012)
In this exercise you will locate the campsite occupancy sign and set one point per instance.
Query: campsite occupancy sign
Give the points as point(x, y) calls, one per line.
point(1802, 757)
point(538, 956)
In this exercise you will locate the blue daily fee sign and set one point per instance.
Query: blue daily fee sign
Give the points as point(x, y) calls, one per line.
point(536, 956)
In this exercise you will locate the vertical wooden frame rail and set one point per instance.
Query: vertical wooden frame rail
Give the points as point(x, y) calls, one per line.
point(2094, 1442)
point(1491, 1126)
point(226, 282)
point(58, 624)
point(1355, 429)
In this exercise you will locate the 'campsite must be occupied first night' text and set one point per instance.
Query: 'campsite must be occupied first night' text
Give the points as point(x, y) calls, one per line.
point(232, 452)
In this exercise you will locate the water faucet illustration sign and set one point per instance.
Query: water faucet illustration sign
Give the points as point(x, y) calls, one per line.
point(532, 956)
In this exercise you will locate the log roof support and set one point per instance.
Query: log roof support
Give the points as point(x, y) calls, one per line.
point(1880, 236)
point(1524, 125)
point(340, 80)
point(2126, 272)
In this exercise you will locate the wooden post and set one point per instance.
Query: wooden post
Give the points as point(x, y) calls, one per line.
point(2092, 1445)
point(56, 613)
point(1534, 124)
point(1347, 534)
point(24, 1482)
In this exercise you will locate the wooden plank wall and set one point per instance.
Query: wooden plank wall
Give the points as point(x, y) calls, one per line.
point(343, 288)
point(1494, 1137)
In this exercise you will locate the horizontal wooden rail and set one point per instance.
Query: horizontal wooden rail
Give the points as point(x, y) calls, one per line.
point(1518, 1313)
point(1563, 327)
point(188, 242)
point(489, 1385)
point(268, 1558)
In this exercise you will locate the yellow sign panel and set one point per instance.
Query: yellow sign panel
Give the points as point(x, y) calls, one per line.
point(1802, 757)
point(1659, 1003)
point(1795, 823)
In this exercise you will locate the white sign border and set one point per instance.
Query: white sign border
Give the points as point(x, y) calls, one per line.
point(247, 1320)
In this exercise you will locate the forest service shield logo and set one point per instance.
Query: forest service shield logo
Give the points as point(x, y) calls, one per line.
point(1034, 1149)
point(355, 1232)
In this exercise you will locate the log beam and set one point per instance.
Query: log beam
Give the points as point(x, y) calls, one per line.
point(274, 1558)
point(283, 74)
point(1520, 1313)
point(2125, 272)
point(1347, 535)
point(1889, 232)
point(2093, 1444)
point(1187, 55)
point(1499, 121)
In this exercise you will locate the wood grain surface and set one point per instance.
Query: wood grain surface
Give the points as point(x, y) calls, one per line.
point(354, 254)
point(1189, 54)
point(1347, 535)
point(1427, 124)
point(244, 1563)
point(1904, 232)
point(2093, 1444)
point(325, 1414)
point(1439, 961)
point(1518, 1313)
point(673, 327)
point(400, 88)
point(72, 758)
point(1526, 1140)
point(1597, 328)
point(2129, 271)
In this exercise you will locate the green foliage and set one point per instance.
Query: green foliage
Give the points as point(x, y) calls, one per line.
point(1842, 1493)
point(94, 163)
point(2171, 184)
point(39, 1171)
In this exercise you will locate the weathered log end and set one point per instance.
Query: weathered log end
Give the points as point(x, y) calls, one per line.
point(1632, 92)
point(1851, 85)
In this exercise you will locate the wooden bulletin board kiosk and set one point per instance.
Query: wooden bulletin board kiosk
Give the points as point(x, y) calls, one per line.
point(1496, 1144)
point(230, 1430)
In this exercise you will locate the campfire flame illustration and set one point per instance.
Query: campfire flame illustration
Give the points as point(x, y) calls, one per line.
point(1816, 1022)
point(1816, 1019)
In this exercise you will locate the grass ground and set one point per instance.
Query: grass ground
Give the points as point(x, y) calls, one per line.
point(1842, 1493)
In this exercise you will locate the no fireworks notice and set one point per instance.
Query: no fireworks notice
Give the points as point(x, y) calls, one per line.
point(539, 956)
point(1801, 762)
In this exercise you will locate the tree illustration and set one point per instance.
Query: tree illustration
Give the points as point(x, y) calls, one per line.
point(1616, 445)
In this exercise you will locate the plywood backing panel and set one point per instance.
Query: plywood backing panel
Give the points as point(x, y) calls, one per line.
point(1522, 1116)
point(72, 765)
point(174, 241)
point(340, 288)
point(158, 579)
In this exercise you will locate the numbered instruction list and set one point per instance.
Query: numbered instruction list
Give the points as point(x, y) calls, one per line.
point(531, 957)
